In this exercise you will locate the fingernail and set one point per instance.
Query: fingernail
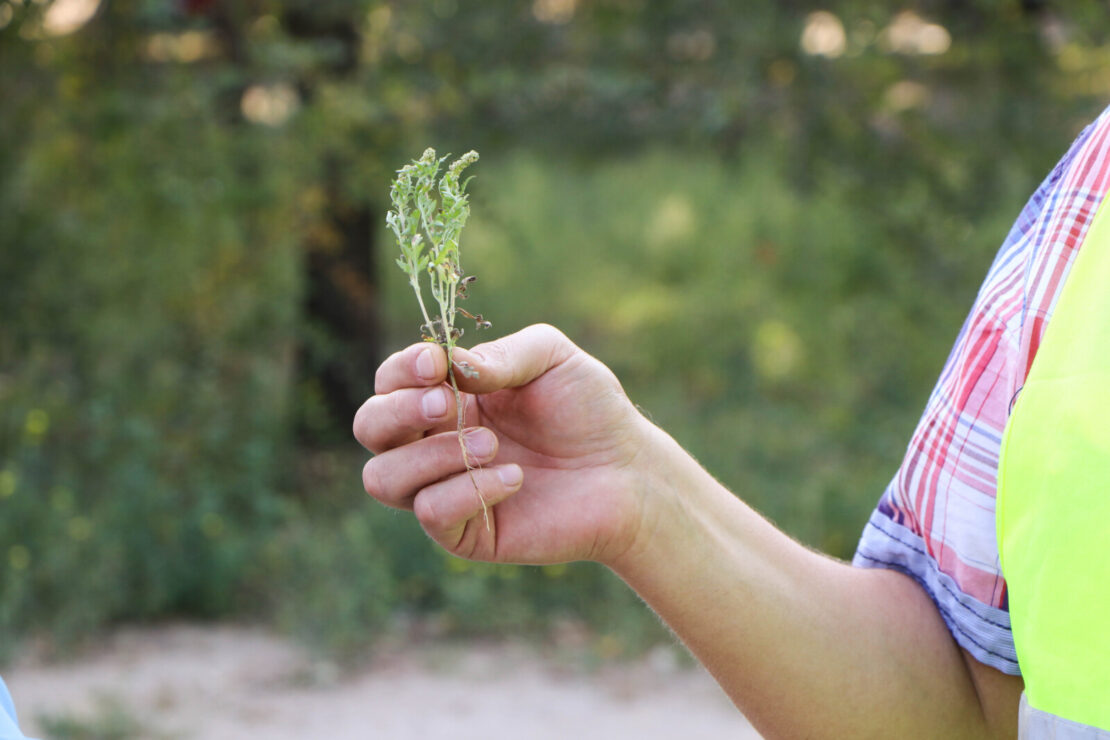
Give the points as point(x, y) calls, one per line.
point(479, 443)
point(510, 475)
point(434, 403)
point(426, 365)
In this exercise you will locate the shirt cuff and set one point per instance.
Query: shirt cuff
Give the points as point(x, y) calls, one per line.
point(982, 630)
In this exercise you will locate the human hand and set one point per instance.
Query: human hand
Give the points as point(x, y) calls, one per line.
point(557, 449)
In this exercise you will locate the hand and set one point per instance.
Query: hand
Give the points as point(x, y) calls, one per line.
point(806, 646)
point(555, 444)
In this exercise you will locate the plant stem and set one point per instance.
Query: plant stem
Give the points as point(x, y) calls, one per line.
point(461, 414)
point(420, 299)
point(449, 347)
point(428, 217)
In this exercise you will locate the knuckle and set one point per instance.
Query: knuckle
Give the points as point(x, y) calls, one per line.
point(356, 425)
point(551, 346)
point(386, 418)
point(492, 352)
point(380, 375)
point(368, 423)
point(551, 334)
point(547, 329)
point(372, 480)
point(385, 370)
point(423, 507)
point(399, 412)
point(360, 425)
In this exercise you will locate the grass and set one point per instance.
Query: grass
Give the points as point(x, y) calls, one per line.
point(110, 720)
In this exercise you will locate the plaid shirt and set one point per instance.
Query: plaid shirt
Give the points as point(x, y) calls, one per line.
point(936, 520)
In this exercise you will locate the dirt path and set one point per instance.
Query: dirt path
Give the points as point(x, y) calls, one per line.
point(232, 682)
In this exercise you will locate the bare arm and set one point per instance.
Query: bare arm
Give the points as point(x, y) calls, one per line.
point(806, 646)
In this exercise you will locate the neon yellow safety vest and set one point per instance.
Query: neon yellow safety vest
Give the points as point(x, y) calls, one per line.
point(1053, 508)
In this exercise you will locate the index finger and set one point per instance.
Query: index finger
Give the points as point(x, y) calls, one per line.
point(415, 366)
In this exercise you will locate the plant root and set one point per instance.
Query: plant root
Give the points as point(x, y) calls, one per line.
point(460, 429)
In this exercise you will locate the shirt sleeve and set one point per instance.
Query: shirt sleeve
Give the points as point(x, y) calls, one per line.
point(9, 721)
point(936, 520)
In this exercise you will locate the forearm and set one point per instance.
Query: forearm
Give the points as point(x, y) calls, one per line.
point(806, 646)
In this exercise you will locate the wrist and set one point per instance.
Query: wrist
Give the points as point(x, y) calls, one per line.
point(665, 479)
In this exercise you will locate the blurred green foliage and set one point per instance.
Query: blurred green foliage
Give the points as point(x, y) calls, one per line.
point(341, 583)
point(768, 219)
point(110, 720)
point(148, 333)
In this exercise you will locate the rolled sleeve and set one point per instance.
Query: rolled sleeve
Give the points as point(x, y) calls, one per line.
point(936, 520)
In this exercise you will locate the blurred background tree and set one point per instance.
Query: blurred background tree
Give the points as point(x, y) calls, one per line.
point(769, 219)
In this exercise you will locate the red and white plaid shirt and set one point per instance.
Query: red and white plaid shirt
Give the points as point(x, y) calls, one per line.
point(936, 520)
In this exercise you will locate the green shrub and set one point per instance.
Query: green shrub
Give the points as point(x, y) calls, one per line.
point(786, 341)
point(144, 363)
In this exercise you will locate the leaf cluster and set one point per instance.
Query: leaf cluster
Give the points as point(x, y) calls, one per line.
point(428, 216)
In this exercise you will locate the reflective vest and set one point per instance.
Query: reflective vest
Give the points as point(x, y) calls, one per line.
point(1053, 508)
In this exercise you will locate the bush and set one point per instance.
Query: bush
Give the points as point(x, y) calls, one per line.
point(143, 386)
point(783, 339)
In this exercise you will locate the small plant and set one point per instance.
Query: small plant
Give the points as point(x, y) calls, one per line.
point(428, 216)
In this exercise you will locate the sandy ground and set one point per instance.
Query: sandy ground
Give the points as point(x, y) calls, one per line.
point(233, 682)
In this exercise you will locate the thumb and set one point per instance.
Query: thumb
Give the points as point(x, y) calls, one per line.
point(514, 360)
